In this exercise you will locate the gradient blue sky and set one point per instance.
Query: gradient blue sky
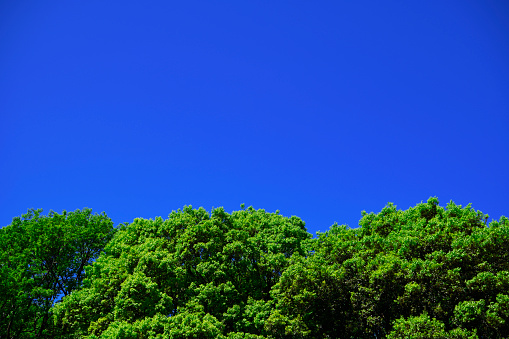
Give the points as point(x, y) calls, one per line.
point(320, 109)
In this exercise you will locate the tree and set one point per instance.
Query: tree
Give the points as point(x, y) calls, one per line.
point(193, 275)
point(43, 258)
point(423, 327)
point(427, 272)
point(398, 273)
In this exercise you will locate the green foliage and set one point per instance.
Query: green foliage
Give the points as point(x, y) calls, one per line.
point(423, 327)
point(202, 275)
point(43, 258)
point(427, 272)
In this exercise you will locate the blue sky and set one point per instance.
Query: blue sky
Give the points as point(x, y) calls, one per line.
point(316, 109)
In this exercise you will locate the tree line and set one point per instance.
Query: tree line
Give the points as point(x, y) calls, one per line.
point(426, 272)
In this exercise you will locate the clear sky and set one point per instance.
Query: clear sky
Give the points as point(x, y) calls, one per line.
point(319, 109)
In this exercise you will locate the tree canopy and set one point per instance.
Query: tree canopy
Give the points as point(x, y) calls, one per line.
point(43, 258)
point(426, 272)
point(193, 275)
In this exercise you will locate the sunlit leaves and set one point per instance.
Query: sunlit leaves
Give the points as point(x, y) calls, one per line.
point(427, 272)
point(208, 275)
point(42, 259)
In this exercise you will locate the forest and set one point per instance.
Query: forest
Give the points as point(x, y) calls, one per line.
point(425, 272)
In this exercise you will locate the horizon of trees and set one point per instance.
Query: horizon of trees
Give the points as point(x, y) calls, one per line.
point(426, 272)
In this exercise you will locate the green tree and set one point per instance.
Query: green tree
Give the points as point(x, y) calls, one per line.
point(427, 272)
point(43, 258)
point(428, 264)
point(423, 327)
point(193, 275)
